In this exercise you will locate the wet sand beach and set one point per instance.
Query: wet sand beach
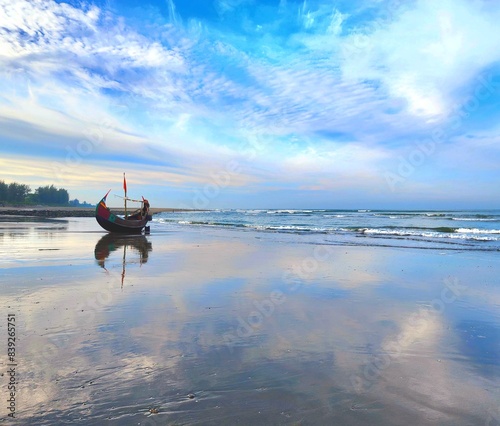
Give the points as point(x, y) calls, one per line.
point(215, 326)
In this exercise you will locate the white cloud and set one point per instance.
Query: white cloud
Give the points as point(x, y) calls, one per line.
point(426, 52)
point(52, 18)
point(323, 18)
point(50, 37)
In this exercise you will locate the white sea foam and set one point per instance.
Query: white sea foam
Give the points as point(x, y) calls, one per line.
point(471, 219)
point(477, 231)
point(464, 235)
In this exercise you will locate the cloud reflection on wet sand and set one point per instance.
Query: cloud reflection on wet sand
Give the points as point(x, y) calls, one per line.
point(93, 349)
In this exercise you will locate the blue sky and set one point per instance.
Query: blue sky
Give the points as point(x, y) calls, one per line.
point(255, 104)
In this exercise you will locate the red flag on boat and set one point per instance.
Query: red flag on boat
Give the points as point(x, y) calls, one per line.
point(124, 184)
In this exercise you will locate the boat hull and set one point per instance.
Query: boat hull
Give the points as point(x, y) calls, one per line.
point(122, 226)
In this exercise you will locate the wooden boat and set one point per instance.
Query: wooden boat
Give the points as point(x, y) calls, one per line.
point(133, 224)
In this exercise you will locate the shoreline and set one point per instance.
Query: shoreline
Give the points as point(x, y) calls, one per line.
point(48, 211)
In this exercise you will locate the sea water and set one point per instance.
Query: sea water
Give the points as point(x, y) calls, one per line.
point(447, 230)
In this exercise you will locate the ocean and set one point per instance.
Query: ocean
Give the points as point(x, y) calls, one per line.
point(445, 230)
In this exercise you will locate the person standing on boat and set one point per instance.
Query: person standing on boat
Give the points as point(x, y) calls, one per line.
point(145, 208)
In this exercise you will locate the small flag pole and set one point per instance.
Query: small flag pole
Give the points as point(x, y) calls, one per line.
point(125, 189)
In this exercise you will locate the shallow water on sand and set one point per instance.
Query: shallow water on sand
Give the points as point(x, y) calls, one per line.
point(213, 326)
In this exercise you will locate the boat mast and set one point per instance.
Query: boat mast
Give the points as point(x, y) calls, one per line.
point(125, 189)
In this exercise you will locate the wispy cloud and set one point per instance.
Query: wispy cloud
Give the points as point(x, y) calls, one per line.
point(426, 52)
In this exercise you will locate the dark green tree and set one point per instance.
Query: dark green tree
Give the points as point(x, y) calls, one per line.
point(52, 195)
point(17, 192)
point(4, 191)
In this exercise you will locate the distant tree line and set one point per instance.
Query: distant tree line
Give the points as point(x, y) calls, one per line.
point(76, 203)
point(19, 193)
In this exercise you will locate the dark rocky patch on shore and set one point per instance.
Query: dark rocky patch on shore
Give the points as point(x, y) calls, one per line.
point(66, 211)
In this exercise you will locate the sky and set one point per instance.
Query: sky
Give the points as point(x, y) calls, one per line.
point(254, 103)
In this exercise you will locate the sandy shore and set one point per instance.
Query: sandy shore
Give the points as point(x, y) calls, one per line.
point(206, 326)
point(45, 211)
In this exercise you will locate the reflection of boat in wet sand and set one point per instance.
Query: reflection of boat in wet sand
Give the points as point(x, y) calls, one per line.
point(112, 242)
